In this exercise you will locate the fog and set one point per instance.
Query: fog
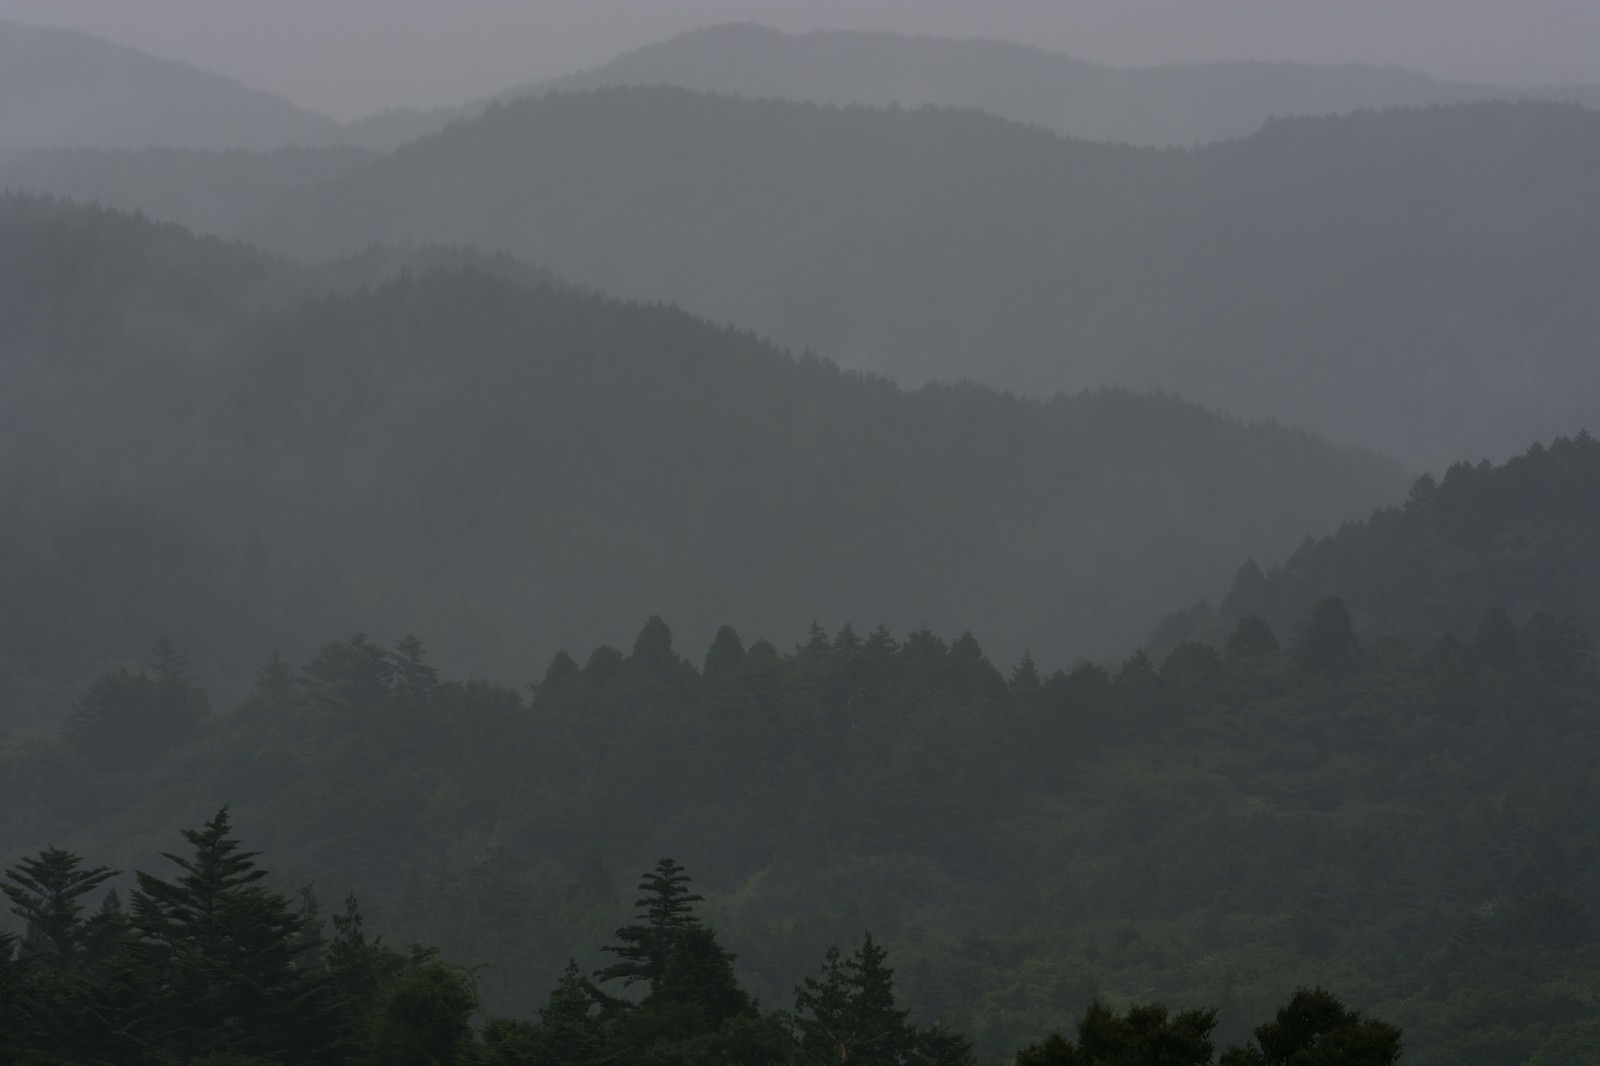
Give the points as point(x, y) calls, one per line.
point(1041, 524)
point(348, 58)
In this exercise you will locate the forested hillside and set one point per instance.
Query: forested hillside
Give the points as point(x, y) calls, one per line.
point(1521, 535)
point(211, 192)
point(1174, 105)
point(1418, 282)
point(211, 965)
point(1413, 825)
point(64, 89)
point(503, 466)
point(352, 475)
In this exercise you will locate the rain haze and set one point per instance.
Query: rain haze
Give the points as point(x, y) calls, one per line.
point(349, 58)
point(891, 532)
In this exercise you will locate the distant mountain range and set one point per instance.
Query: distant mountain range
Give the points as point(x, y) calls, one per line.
point(1163, 105)
point(1420, 282)
point(204, 441)
point(64, 89)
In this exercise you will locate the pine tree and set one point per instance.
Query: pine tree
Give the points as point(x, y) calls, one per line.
point(412, 673)
point(223, 955)
point(46, 891)
point(569, 1034)
point(849, 1014)
point(665, 910)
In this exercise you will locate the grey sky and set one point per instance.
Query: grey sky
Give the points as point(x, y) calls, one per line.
point(351, 57)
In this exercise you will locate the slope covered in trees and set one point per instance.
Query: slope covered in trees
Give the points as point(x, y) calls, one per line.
point(1413, 825)
point(1418, 282)
point(213, 192)
point(1162, 105)
point(213, 965)
point(1519, 536)
point(65, 89)
point(502, 466)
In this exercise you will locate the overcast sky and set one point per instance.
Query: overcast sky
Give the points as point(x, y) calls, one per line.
point(352, 57)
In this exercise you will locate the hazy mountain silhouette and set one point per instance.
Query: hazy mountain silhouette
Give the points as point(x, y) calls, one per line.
point(503, 467)
point(1418, 281)
point(211, 192)
point(1175, 104)
point(65, 89)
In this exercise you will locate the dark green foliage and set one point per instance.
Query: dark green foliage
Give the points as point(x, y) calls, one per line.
point(1328, 645)
point(203, 976)
point(665, 911)
point(849, 1014)
point(129, 717)
point(46, 892)
point(1512, 536)
point(1315, 1029)
point(225, 954)
point(1143, 1036)
point(1418, 827)
point(424, 1018)
point(569, 1032)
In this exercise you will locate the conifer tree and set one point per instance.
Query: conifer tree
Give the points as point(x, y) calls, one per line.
point(849, 1015)
point(569, 1034)
point(665, 910)
point(46, 891)
point(223, 954)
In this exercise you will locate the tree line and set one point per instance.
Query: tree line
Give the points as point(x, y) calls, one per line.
point(211, 966)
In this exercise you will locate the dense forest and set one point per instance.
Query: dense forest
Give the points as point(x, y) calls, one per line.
point(1412, 825)
point(352, 473)
point(1519, 535)
point(1417, 282)
point(214, 967)
point(508, 464)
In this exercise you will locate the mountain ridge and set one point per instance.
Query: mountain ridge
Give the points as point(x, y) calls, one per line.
point(1360, 275)
point(67, 89)
point(485, 461)
point(1160, 105)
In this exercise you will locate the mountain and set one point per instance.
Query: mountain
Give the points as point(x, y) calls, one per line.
point(65, 89)
point(1516, 536)
point(1418, 282)
point(1158, 106)
point(212, 192)
point(497, 466)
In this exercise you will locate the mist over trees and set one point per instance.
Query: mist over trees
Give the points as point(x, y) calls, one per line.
point(513, 467)
point(1417, 282)
point(349, 493)
point(1516, 535)
point(1406, 821)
